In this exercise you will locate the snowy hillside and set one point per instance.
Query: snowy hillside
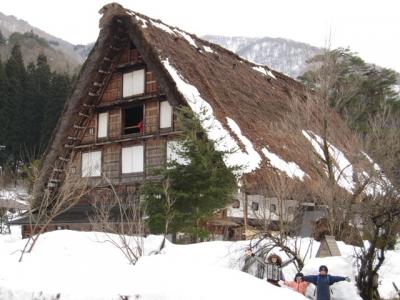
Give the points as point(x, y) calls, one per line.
point(80, 265)
point(283, 55)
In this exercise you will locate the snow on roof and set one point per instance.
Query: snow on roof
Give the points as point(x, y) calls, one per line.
point(290, 168)
point(343, 168)
point(377, 184)
point(208, 49)
point(264, 70)
point(214, 128)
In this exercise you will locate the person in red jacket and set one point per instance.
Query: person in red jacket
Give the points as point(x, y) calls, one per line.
point(299, 285)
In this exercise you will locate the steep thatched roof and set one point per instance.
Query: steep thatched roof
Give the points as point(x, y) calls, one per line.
point(272, 118)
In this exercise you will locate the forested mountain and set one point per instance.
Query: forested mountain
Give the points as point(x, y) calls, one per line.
point(31, 99)
point(283, 55)
point(62, 56)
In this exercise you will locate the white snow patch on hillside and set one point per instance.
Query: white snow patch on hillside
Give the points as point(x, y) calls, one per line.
point(342, 168)
point(290, 168)
point(214, 128)
point(264, 71)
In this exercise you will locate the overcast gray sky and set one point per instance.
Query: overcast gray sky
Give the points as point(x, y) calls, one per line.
point(371, 28)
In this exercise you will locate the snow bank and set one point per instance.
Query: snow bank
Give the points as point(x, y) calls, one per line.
point(80, 265)
point(214, 128)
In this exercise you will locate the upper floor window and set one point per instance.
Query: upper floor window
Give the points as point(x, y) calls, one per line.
point(133, 83)
point(133, 159)
point(91, 164)
point(102, 129)
point(165, 114)
point(133, 120)
point(272, 208)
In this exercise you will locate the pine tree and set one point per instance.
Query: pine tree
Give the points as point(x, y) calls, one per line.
point(59, 90)
point(4, 117)
point(2, 39)
point(16, 77)
point(359, 91)
point(198, 184)
point(37, 95)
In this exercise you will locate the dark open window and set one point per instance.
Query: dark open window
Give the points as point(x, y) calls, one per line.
point(133, 120)
point(254, 205)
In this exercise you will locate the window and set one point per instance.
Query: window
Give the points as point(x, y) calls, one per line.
point(102, 130)
point(133, 120)
point(173, 149)
point(254, 205)
point(290, 210)
point(236, 204)
point(272, 208)
point(165, 114)
point(132, 159)
point(133, 83)
point(91, 164)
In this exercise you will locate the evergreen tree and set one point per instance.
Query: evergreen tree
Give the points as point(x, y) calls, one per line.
point(14, 103)
point(2, 39)
point(59, 90)
point(197, 184)
point(4, 117)
point(359, 90)
point(37, 94)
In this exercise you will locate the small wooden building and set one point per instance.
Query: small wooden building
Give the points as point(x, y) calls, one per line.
point(328, 247)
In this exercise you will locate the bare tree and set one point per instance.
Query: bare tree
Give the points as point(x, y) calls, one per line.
point(54, 203)
point(121, 218)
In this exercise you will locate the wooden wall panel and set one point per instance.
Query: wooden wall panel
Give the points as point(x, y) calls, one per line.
point(155, 153)
point(111, 161)
point(151, 83)
point(130, 56)
point(90, 133)
point(151, 116)
point(114, 89)
point(115, 123)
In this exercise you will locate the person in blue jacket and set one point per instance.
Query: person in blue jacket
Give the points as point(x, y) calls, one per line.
point(323, 281)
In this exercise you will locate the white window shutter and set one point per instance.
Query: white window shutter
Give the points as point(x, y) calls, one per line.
point(138, 82)
point(91, 164)
point(133, 83)
point(165, 114)
point(102, 129)
point(133, 159)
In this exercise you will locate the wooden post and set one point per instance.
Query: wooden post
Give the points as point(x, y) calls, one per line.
point(245, 210)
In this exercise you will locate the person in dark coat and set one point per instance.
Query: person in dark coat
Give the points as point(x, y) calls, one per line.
point(323, 281)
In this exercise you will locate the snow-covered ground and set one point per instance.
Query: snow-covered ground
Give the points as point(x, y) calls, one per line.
point(80, 265)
